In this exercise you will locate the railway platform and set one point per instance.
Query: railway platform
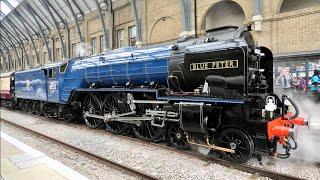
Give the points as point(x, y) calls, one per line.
point(20, 161)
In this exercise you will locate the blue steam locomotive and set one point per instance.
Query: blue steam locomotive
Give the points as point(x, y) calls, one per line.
point(214, 92)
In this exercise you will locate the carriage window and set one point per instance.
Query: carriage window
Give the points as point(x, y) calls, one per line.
point(63, 68)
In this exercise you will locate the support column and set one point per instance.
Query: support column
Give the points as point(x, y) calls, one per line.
point(137, 19)
point(186, 18)
point(103, 24)
point(257, 14)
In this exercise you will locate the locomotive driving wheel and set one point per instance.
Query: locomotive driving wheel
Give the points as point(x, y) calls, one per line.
point(91, 105)
point(177, 138)
point(145, 131)
point(238, 141)
point(111, 107)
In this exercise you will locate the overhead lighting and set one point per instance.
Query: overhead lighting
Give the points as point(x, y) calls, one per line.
point(103, 6)
point(17, 45)
point(35, 37)
point(10, 47)
point(46, 31)
point(61, 25)
point(80, 17)
point(25, 41)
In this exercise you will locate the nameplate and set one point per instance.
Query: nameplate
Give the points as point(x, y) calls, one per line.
point(226, 64)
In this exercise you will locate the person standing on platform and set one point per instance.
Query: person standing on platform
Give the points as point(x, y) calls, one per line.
point(315, 81)
point(285, 80)
point(302, 84)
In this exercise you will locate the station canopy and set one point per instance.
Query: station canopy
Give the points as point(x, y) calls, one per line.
point(24, 20)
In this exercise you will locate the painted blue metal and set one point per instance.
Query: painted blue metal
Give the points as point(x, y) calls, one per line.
point(138, 66)
point(115, 68)
point(31, 84)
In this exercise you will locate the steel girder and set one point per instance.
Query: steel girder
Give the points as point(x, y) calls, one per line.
point(8, 32)
point(2, 14)
point(14, 18)
point(137, 20)
point(186, 14)
point(46, 5)
point(8, 4)
point(18, 16)
point(75, 19)
point(64, 13)
point(13, 26)
point(257, 7)
point(2, 69)
point(4, 58)
point(105, 31)
point(12, 45)
point(5, 41)
point(85, 4)
point(5, 63)
point(21, 19)
point(42, 13)
point(11, 37)
point(54, 10)
point(31, 11)
point(78, 7)
point(21, 44)
point(10, 61)
point(34, 16)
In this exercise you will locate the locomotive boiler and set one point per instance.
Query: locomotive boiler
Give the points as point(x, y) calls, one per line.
point(214, 92)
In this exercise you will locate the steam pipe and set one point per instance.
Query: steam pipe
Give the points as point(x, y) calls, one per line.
point(293, 104)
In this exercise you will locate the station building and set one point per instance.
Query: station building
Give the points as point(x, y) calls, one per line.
point(37, 32)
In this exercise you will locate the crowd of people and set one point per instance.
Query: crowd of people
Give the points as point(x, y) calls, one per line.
point(287, 83)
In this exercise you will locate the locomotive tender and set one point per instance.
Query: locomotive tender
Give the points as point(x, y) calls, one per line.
point(211, 92)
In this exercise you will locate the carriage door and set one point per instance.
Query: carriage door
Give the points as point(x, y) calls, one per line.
point(53, 89)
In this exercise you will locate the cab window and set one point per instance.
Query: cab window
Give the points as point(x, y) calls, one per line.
point(50, 73)
point(63, 68)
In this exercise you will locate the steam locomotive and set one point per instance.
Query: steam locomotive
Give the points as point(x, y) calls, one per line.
point(214, 92)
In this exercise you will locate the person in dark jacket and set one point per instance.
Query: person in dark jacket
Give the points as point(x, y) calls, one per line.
point(315, 81)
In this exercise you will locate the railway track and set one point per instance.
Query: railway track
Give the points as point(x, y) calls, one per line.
point(242, 167)
point(98, 158)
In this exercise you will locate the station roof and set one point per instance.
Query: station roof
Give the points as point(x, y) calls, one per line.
point(23, 20)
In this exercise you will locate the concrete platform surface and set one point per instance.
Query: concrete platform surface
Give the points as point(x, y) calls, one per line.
point(20, 161)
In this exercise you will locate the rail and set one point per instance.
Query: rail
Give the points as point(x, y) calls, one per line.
point(96, 157)
point(242, 167)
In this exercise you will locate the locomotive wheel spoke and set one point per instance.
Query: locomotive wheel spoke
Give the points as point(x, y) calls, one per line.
point(177, 137)
point(111, 107)
point(92, 105)
point(147, 132)
point(238, 141)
